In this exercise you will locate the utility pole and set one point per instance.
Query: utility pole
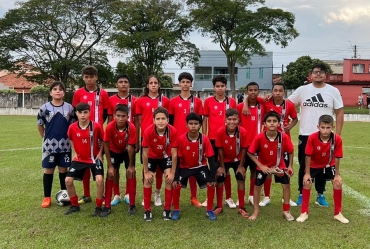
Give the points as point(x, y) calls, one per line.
point(355, 52)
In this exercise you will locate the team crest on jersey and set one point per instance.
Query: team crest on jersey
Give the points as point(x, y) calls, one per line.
point(147, 104)
point(265, 146)
point(216, 107)
point(51, 159)
point(155, 140)
point(318, 148)
point(85, 97)
point(226, 141)
point(180, 105)
point(188, 147)
point(65, 113)
point(78, 135)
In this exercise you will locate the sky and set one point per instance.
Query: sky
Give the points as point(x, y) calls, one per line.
point(329, 30)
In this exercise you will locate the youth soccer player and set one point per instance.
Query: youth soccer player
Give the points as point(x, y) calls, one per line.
point(86, 137)
point(193, 149)
point(97, 99)
point(269, 146)
point(119, 147)
point(323, 152)
point(53, 121)
point(179, 107)
point(231, 142)
point(214, 118)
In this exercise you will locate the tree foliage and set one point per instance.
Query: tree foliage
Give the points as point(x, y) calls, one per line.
point(40, 89)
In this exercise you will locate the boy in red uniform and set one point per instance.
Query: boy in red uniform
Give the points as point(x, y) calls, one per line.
point(231, 142)
point(214, 118)
point(193, 149)
point(179, 107)
point(85, 137)
point(97, 99)
point(119, 147)
point(158, 151)
point(323, 152)
point(270, 147)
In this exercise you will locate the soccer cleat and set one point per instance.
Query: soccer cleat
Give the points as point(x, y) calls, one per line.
point(84, 199)
point(176, 215)
point(321, 201)
point(72, 209)
point(217, 210)
point(105, 212)
point(243, 213)
point(299, 200)
point(341, 218)
point(204, 204)
point(230, 203)
point(46, 203)
point(148, 216)
point(167, 215)
point(127, 199)
point(303, 217)
point(194, 201)
point(132, 210)
point(211, 215)
point(250, 200)
point(97, 211)
point(157, 200)
point(288, 216)
point(291, 203)
point(116, 200)
point(265, 202)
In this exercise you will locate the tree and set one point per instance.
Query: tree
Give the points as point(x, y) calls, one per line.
point(152, 32)
point(240, 27)
point(298, 71)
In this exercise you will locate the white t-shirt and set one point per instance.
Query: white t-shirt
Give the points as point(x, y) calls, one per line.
point(315, 102)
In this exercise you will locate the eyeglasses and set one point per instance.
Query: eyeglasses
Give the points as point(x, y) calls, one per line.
point(319, 72)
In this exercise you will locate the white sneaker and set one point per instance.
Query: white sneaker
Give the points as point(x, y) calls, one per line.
point(341, 218)
point(204, 204)
point(288, 216)
point(157, 200)
point(142, 203)
point(230, 203)
point(265, 202)
point(250, 200)
point(303, 217)
point(291, 203)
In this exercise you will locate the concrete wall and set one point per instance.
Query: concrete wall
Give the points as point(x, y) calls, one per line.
point(33, 100)
point(8, 100)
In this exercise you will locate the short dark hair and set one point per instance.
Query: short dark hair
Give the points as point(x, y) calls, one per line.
point(231, 112)
point(219, 78)
point(185, 75)
point(320, 65)
point(90, 70)
point(253, 84)
point(326, 119)
point(58, 83)
point(161, 110)
point(80, 107)
point(278, 84)
point(122, 76)
point(121, 108)
point(272, 114)
point(193, 116)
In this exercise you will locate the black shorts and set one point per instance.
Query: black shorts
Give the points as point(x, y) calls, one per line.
point(163, 164)
point(215, 149)
point(51, 160)
point(228, 166)
point(328, 172)
point(261, 178)
point(249, 162)
point(201, 174)
point(77, 170)
point(118, 158)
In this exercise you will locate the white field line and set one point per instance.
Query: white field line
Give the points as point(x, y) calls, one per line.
point(17, 149)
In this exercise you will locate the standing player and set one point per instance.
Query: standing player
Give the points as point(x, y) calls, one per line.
point(119, 147)
point(158, 151)
point(270, 147)
point(179, 107)
point(214, 118)
point(85, 136)
point(53, 121)
point(97, 99)
point(323, 152)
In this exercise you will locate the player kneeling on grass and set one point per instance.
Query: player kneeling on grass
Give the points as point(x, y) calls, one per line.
point(270, 147)
point(231, 141)
point(85, 137)
point(158, 151)
point(323, 152)
point(193, 149)
point(119, 147)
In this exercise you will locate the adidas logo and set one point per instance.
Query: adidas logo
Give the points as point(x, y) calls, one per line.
point(315, 101)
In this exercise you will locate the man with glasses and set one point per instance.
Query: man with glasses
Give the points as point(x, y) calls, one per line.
point(315, 99)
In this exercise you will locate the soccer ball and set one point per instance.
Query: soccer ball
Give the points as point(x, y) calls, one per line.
point(62, 198)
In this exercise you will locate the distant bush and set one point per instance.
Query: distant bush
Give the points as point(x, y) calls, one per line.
point(8, 91)
point(40, 89)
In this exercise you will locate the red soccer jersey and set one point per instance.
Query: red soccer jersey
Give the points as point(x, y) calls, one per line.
point(120, 139)
point(81, 141)
point(188, 151)
point(159, 146)
point(229, 143)
point(180, 107)
point(215, 111)
point(129, 101)
point(252, 122)
point(320, 151)
point(145, 107)
point(97, 100)
point(267, 150)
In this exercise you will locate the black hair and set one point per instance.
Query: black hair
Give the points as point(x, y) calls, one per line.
point(326, 119)
point(320, 65)
point(219, 78)
point(122, 76)
point(185, 75)
point(121, 108)
point(193, 116)
point(272, 114)
point(253, 84)
point(58, 83)
point(161, 110)
point(231, 112)
point(278, 84)
point(82, 107)
point(90, 70)
point(146, 89)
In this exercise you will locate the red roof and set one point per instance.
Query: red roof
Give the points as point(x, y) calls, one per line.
point(18, 82)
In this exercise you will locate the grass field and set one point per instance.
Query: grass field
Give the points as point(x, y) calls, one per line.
point(24, 224)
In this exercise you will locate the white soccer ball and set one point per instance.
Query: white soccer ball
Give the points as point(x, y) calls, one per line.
point(62, 198)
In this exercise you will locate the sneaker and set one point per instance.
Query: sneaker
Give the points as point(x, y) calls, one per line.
point(230, 203)
point(250, 200)
point(176, 215)
point(299, 200)
point(127, 199)
point(97, 211)
point(341, 218)
point(321, 201)
point(46, 203)
point(211, 215)
point(291, 203)
point(84, 199)
point(265, 202)
point(132, 210)
point(167, 215)
point(288, 216)
point(148, 216)
point(243, 213)
point(105, 212)
point(116, 200)
point(204, 204)
point(217, 210)
point(194, 201)
point(142, 203)
point(303, 217)
point(157, 200)
point(72, 209)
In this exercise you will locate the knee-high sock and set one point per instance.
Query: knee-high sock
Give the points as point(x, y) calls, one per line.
point(337, 195)
point(227, 184)
point(132, 190)
point(48, 183)
point(147, 198)
point(158, 178)
point(62, 180)
point(108, 192)
point(176, 197)
point(219, 195)
point(267, 187)
point(305, 200)
point(193, 186)
point(241, 194)
point(116, 188)
point(167, 199)
point(86, 183)
point(251, 186)
point(210, 197)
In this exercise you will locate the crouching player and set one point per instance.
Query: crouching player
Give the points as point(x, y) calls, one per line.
point(323, 153)
point(270, 147)
point(158, 151)
point(119, 147)
point(193, 149)
point(86, 137)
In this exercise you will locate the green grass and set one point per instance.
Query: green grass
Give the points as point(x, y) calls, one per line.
point(24, 224)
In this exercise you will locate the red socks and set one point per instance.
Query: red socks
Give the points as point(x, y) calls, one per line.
point(74, 201)
point(286, 207)
point(210, 197)
point(251, 186)
point(176, 198)
point(116, 189)
point(227, 184)
point(99, 202)
point(241, 194)
point(147, 198)
point(158, 178)
point(86, 183)
point(305, 200)
point(193, 186)
point(131, 183)
point(337, 195)
point(108, 192)
point(219, 195)
point(267, 187)
point(167, 199)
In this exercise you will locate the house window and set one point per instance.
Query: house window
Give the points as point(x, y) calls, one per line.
point(248, 74)
point(261, 73)
point(358, 68)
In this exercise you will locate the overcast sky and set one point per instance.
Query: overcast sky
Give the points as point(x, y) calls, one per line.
point(326, 29)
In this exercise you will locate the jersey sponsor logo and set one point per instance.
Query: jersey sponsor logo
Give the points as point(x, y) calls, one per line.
point(315, 101)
